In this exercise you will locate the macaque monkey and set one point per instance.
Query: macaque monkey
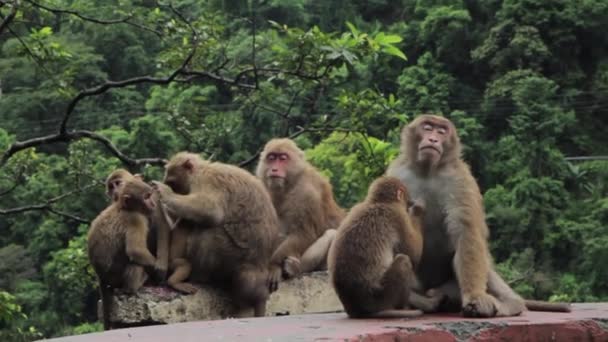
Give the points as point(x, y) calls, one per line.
point(117, 244)
point(159, 222)
point(304, 201)
point(227, 227)
point(375, 253)
point(455, 259)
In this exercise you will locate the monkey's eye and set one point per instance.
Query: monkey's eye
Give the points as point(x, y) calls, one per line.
point(442, 130)
point(271, 157)
point(283, 157)
point(427, 127)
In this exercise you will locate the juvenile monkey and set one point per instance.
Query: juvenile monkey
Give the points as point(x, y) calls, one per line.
point(228, 228)
point(304, 201)
point(377, 248)
point(117, 242)
point(455, 259)
point(159, 222)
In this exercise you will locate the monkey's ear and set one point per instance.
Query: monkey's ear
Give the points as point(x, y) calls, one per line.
point(400, 194)
point(139, 176)
point(188, 164)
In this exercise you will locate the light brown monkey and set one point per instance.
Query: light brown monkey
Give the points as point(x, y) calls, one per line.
point(230, 228)
point(455, 258)
point(117, 245)
point(304, 201)
point(160, 223)
point(377, 248)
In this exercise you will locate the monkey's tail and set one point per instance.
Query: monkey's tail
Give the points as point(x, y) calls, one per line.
point(397, 314)
point(539, 305)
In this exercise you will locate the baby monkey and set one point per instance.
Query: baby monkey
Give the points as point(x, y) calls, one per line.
point(377, 247)
point(117, 242)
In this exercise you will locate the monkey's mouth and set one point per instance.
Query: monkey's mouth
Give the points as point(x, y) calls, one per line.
point(430, 147)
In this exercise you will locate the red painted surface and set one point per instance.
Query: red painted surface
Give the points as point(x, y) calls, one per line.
point(587, 322)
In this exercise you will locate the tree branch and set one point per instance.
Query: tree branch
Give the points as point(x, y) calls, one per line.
point(77, 135)
point(126, 20)
point(48, 205)
point(11, 15)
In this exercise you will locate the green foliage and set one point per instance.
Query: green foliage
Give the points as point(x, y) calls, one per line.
point(340, 158)
point(524, 81)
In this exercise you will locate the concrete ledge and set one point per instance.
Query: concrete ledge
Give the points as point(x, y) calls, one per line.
point(587, 322)
point(161, 305)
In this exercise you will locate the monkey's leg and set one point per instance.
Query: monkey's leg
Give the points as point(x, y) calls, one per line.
point(315, 257)
point(181, 271)
point(509, 302)
point(512, 304)
point(250, 290)
point(105, 292)
point(427, 303)
point(396, 283)
point(292, 246)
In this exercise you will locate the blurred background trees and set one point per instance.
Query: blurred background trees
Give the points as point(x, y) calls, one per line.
point(126, 83)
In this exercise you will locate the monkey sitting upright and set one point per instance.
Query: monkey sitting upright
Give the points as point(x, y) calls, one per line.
point(372, 259)
point(117, 242)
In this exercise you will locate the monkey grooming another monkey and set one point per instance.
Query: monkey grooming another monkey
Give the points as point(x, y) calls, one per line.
point(305, 204)
point(228, 226)
point(375, 252)
point(159, 222)
point(117, 242)
point(455, 259)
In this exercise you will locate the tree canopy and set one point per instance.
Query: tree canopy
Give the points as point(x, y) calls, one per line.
point(89, 86)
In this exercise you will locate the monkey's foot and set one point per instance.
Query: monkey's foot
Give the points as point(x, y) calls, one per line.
point(481, 306)
point(291, 267)
point(186, 288)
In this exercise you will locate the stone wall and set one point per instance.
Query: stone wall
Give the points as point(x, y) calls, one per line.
point(160, 305)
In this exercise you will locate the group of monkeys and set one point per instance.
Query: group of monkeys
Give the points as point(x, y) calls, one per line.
point(417, 243)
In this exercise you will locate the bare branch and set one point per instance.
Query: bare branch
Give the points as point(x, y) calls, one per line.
point(11, 15)
point(125, 20)
point(194, 74)
point(48, 205)
point(68, 215)
point(584, 158)
point(77, 135)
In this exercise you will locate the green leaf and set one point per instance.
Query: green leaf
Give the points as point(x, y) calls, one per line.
point(394, 51)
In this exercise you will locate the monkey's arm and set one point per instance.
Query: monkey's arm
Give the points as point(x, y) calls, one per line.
point(163, 224)
point(467, 230)
point(206, 207)
point(136, 246)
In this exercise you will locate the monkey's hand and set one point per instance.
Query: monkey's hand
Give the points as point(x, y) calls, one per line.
point(479, 306)
point(163, 189)
point(291, 267)
point(274, 278)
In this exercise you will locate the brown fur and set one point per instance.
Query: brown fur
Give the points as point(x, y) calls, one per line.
point(159, 222)
point(455, 249)
point(229, 225)
point(117, 242)
point(376, 250)
point(306, 207)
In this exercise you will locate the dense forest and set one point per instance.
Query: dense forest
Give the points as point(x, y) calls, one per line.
point(89, 86)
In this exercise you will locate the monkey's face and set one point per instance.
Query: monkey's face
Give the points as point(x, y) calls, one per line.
point(431, 136)
point(136, 195)
point(277, 167)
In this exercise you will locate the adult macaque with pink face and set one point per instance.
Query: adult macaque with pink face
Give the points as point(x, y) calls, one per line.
point(455, 258)
point(305, 204)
